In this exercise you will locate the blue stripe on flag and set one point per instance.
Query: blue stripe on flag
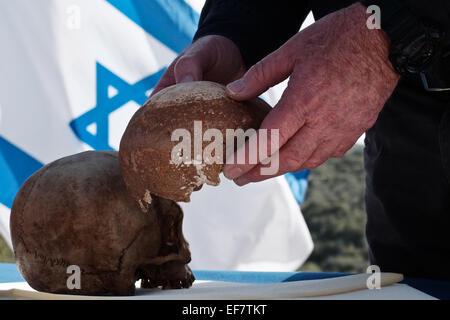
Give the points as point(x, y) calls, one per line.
point(172, 22)
point(8, 183)
point(15, 167)
point(99, 115)
point(298, 182)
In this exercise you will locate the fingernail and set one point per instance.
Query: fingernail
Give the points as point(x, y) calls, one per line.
point(241, 181)
point(186, 78)
point(232, 173)
point(236, 86)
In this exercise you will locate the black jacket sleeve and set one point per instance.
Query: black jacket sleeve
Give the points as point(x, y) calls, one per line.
point(257, 27)
point(436, 11)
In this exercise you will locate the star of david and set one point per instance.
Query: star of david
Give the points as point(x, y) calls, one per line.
point(106, 104)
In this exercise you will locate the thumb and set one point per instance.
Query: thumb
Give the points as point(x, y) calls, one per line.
point(188, 68)
point(268, 72)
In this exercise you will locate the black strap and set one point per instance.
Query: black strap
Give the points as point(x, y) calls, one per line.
point(414, 43)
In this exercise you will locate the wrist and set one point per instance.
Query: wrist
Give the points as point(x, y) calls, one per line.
point(414, 42)
point(374, 42)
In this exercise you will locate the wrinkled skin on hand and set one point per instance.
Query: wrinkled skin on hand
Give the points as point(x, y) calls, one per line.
point(212, 58)
point(340, 78)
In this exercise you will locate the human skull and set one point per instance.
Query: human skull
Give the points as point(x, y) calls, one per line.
point(76, 211)
point(150, 139)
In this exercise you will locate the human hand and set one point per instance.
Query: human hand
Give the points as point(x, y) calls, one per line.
point(340, 78)
point(212, 58)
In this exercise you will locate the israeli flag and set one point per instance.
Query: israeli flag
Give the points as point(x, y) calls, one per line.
point(73, 72)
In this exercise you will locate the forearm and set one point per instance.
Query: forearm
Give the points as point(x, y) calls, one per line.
point(257, 27)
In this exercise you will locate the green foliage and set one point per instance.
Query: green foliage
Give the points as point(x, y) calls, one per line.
point(335, 214)
point(6, 254)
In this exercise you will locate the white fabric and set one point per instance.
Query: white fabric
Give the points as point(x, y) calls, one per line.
point(256, 227)
point(397, 291)
point(48, 78)
point(342, 288)
point(4, 224)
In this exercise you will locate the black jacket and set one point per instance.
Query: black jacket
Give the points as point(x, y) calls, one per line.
point(259, 27)
point(407, 225)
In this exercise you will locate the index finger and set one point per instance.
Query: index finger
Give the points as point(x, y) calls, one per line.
point(282, 122)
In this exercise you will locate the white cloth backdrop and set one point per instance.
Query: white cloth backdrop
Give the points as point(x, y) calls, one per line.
point(72, 72)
